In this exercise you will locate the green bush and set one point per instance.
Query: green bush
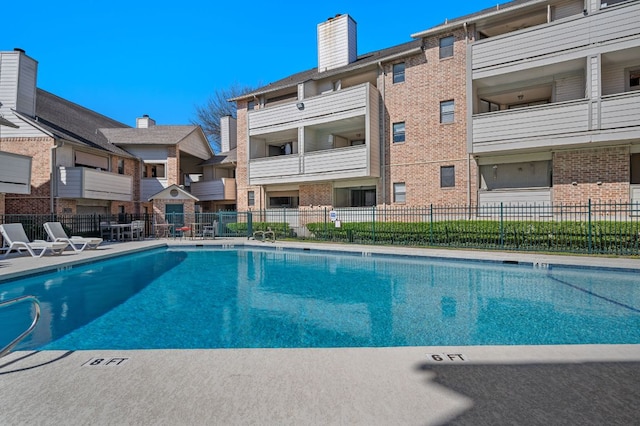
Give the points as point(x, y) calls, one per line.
point(281, 229)
point(607, 237)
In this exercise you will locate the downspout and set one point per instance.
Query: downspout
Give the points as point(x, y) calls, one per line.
point(469, 114)
point(54, 176)
point(384, 138)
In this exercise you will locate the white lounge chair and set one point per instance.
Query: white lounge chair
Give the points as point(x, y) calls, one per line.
point(16, 239)
point(56, 233)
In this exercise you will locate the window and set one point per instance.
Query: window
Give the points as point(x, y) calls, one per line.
point(634, 79)
point(488, 106)
point(447, 176)
point(398, 132)
point(446, 47)
point(154, 171)
point(635, 169)
point(399, 192)
point(251, 198)
point(365, 197)
point(280, 202)
point(446, 111)
point(120, 166)
point(398, 73)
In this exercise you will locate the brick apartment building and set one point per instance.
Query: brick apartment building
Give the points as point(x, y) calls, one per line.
point(527, 102)
point(59, 157)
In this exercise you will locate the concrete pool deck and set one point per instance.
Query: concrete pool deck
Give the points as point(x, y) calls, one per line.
point(474, 385)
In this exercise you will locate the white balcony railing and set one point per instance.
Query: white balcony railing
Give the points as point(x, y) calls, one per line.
point(334, 106)
point(613, 118)
point(572, 34)
point(82, 182)
point(339, 163)
point(15, 173)
point(215, 190)
point(537, 121)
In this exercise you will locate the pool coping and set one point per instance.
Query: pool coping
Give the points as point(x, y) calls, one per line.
point(397, 385)
point(19, 266)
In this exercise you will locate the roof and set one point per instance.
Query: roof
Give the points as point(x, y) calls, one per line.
point(154, 135)
point(72, 122)
point(368, 59)
point(227, 157)
point(167, 194)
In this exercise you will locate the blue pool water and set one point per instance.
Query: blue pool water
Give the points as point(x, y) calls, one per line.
point(219, 298)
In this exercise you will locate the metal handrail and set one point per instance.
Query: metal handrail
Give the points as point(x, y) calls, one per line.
point(36, 317)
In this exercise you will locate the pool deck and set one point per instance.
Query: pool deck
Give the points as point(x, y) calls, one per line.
point(472, 385)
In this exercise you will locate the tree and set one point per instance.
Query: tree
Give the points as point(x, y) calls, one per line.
point(217, 106)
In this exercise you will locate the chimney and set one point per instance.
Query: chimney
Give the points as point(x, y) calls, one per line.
point(228, 133)
point(337, 42)
point(18, 74)
point(145, 122)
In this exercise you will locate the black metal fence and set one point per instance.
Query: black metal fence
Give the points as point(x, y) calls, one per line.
point(590, 228)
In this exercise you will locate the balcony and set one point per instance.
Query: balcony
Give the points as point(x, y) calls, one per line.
point(331, 137)
point(15, 173)
point(565, 39)
point(558, 124)
point(332, 164)
point(215, 190)
point(350, 102)
point(82, 182)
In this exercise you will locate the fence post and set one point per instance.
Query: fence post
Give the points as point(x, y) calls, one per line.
point(431, 224)
point(501, 225)
point(589, 242)
point(249, 224)
point(373, 225)
point(325, 224)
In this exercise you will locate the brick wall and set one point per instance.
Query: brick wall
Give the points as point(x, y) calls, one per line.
point(2, 203)
point(429, 144)
point(316, 194)
point(39, 149)
point(599, 174)
point(173, 166)
point(159, 207)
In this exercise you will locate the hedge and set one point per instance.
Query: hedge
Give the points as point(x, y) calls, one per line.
point(606, 237)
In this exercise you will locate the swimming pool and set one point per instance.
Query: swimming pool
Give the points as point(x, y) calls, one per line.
point(257, 298)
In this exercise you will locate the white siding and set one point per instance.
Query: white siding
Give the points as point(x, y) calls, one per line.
point(284, 165)
point(567, 8)
point(27, 86)
point(515, 197)
point(228, 133)
point(215, 190)
point(613, 78)
point(196, 145)
point(336, 43)
point(539, 121)
point(373, 132)
point(333, 106)
point(621, 111)
point(570, 87)
point(15, 173)
point(151, 186)
point(80, 182)
point(148, 153)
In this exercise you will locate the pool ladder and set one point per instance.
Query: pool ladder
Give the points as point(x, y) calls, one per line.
point(4, 351)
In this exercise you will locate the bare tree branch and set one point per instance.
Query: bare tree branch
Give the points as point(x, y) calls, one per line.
point(217, 106)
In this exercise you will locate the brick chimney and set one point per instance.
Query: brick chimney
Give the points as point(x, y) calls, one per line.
point(337, 42)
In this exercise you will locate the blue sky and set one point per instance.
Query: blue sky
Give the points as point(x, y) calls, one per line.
point(128, 58)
